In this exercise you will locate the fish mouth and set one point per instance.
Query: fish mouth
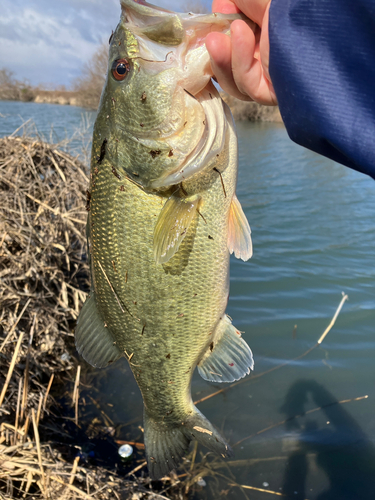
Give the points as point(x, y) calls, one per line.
point(168, 40)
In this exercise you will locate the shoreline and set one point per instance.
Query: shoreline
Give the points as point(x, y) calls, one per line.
point(241, 110)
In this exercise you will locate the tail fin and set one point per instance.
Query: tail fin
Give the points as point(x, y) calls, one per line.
point(166, 443)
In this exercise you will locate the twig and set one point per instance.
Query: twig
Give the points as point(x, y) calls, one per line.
point(39, 409)
point(343, 401)
point(74, 470)
point(82, 494)
point(11, 368)
point(76, 394)
point(72, 163)
point(37, 441)
point(136, 469)
point(60, 172)
point(194, 455)
point(113, 290)
point(17, 411)
point(249, 461)
point(253, 377)
point(246, 487)
point(29, 483)
point(47, 391)
point(26, 428)
point(17, 129)
point(15, 324)
point(26, 376)
point(76, 384)
point(344, 298)
point(2, 241)
point(132, 443)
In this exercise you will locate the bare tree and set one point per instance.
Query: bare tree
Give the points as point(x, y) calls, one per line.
point(90, 84)
point(12, 89)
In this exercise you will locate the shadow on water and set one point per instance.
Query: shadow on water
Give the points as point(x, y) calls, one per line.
point(341, 449)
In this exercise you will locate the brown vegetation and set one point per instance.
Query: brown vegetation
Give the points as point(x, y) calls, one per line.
point(90, 84)
point(14, 90)
point(251, 111)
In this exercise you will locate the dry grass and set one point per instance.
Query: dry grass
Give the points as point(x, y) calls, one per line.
point(15, 90)
point(42, 235)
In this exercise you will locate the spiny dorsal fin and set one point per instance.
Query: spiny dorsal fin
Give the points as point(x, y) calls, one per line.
point(228, 358)
point(239, 233)
point(172, 225)
point(95, 342)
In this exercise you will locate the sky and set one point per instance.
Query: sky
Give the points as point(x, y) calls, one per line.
point(49, 41)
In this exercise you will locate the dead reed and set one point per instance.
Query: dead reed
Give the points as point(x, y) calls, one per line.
point(43, 271)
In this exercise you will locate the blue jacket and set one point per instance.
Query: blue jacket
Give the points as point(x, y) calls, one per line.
point(322, 66)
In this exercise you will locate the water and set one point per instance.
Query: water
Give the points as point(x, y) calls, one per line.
point(313, 233)
point(54, 123)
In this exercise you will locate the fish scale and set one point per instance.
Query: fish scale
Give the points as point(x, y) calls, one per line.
point(161, 228)
point(193, 283)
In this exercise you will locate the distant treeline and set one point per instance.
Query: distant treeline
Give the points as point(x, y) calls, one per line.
point(87, 88)
point(14, 90)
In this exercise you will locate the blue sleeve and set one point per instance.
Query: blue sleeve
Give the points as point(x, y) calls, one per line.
point(322, 66)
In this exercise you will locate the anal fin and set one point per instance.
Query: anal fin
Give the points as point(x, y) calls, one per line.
point(172, 225)
point(239, 233)
point(228, 357)
point(94, 341)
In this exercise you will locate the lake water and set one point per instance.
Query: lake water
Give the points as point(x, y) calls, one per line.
point(69, 125)
point(313, 229)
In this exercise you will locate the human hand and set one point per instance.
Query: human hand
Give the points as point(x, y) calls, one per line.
point(240, 62)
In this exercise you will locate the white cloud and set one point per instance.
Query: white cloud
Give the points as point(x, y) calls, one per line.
point(48, 41)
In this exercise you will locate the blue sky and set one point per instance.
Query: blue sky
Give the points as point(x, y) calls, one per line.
point(48, 41)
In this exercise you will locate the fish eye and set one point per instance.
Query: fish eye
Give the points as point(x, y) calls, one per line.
point(120, 68)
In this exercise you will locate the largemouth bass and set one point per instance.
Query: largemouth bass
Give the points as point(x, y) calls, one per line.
point(163, 220)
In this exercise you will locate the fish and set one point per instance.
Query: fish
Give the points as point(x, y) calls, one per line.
point(163, 220)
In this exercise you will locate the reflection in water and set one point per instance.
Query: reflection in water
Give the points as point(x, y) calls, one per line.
point(341, 449)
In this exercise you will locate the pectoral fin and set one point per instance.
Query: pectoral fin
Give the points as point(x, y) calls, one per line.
point(94, 341)
point(172, 225)
point(239, 234)
point(228, 357)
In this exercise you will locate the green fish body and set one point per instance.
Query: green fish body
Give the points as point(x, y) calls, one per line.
point(163, 221)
